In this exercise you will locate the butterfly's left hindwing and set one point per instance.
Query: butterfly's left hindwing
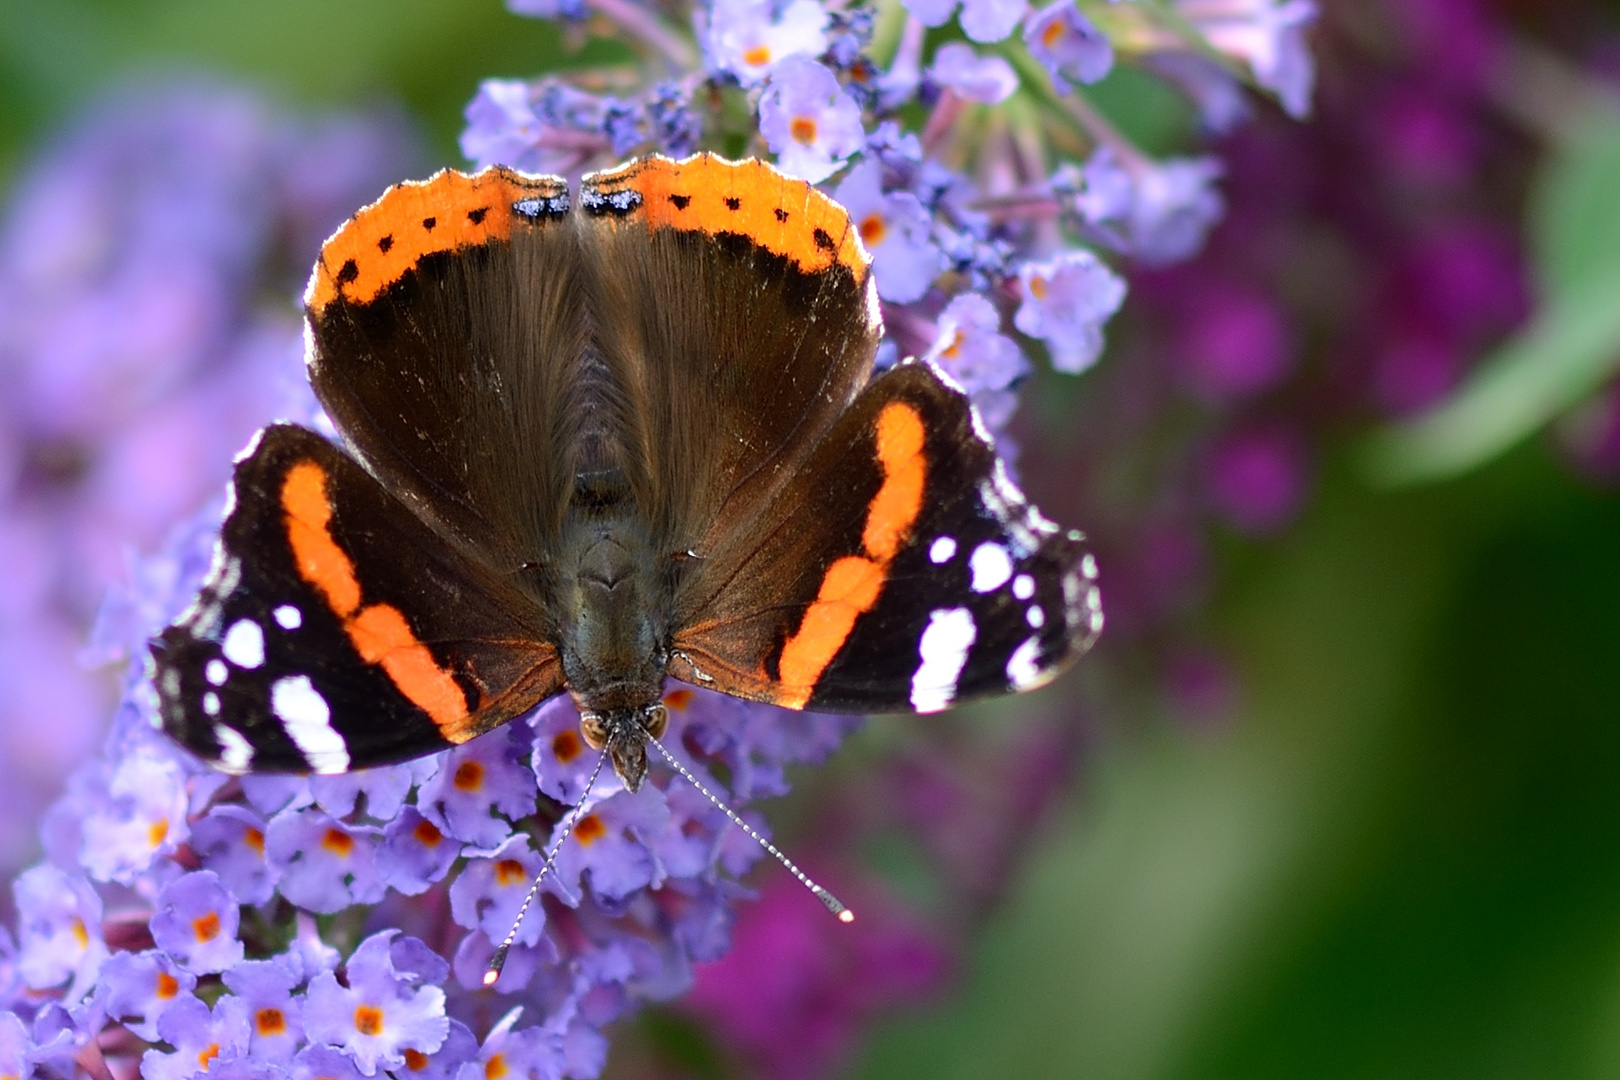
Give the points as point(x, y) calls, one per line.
point(337, 631)
point(901, 570)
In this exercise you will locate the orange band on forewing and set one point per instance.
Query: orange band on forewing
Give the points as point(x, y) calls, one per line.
point(381, 635)
point(320, 561)
point(382, 242)
point(852, 584)
point(379, 632)
point(711, 195)
point(898, 502)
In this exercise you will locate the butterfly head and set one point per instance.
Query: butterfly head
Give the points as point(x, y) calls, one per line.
point(622, 734)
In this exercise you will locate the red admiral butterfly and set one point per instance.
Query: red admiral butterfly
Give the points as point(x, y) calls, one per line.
point(588, 447)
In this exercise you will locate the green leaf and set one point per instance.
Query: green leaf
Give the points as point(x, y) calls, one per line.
point(1569, 349)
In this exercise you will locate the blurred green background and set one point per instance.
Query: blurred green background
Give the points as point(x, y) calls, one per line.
point(1400, 856)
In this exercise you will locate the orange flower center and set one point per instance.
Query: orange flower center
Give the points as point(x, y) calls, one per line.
point(209, 1053)
point(157, 832)
point(270, 1022)
point(469, 776)
point(873, 229)
point(368, 1020)
point(679, 699)
point(415, 1060)
point(254, 838)
point(590, 829)
point(803, 130)
point(338, 843)
point(495, 1068)
point(427, 834)
point(566, 746)
point(206, 927)
point(758, 56)
point(1053, 31)
point(510, 872)
point(167, 986)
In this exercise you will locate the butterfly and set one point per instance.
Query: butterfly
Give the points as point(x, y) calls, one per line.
point(588, 445)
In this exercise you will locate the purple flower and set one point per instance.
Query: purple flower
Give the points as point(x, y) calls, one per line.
point(384, 788)
point(1157, 211)
point(982, 20)
point(325, 865)
point(478, 779)
point(381, 1014)
point(1234, 343)
point(548, 9)
point(325, 1063)
point(1065, 303)
point(136, 989)
point(1268, 36)
point(971, 348)
point(807, 120)
point(1067, 44)
point(203, 1039)
point(459, 1047)
point(415, 852)
point(142, 813)
point(1257, 479)
point(988, 80)
point(196, 922)
point(59, 930)
point(489, 891)
point(531, 1052)
point(612, 842)
point(230, 842)
point(275, 1017)
point(747, 37)
point(548, 128)
point(895, 229)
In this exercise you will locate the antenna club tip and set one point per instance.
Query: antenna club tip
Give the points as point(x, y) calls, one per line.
point(496, 963)
point(846, 916)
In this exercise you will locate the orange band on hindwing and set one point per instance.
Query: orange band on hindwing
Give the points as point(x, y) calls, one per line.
point(379, 632)
point(851, 585)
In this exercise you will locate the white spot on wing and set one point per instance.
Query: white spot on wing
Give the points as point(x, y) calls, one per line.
point(991, 566)
point(944, 649)
point(1035, 617)
point(942, 550)
point(211, 703)
point(1088, 567)
point(1023, 586)
point(215, 672)
point(235, 752)
point(288, 617)
point(244, 644)
point(308, 722)
point(1023, 667)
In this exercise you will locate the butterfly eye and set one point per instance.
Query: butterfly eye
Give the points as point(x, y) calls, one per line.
point(594, 728)
point(655, 720)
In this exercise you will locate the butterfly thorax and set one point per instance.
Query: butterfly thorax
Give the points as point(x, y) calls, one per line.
point(612, 623)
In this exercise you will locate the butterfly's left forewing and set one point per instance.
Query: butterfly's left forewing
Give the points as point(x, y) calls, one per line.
point(900, 570)
point(337, 631)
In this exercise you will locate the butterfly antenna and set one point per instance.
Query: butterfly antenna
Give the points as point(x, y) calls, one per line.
point(498, 961)
point(833, 904)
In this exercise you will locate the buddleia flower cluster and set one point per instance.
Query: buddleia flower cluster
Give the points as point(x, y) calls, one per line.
point(184, 923)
